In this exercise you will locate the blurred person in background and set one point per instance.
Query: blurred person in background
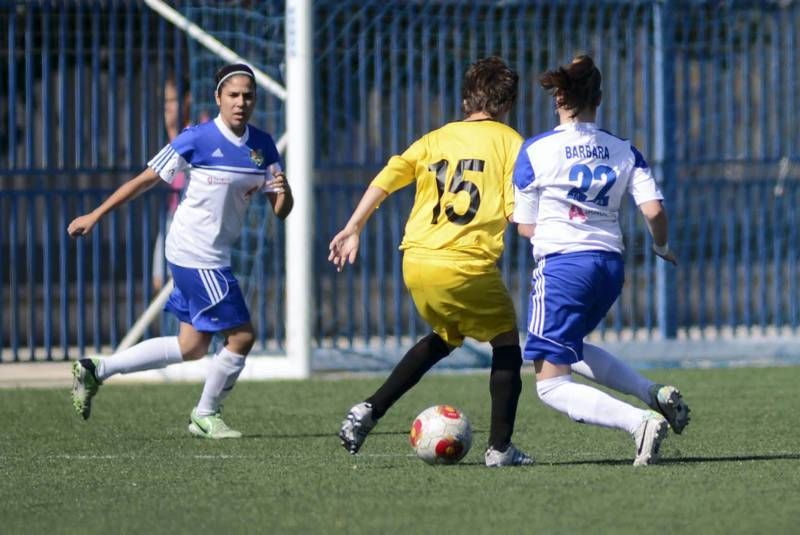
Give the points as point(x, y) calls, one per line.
point(176, 118)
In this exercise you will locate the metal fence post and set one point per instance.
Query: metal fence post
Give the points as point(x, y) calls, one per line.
point(665, 161)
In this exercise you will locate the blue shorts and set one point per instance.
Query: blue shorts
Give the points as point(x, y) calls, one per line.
point(571, 293)
point(208, 299)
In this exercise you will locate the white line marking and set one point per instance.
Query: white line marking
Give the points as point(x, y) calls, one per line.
point(82, 457)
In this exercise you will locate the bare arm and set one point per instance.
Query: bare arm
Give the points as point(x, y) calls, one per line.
point(656, 218)
point(82, 225)
point(344, 246)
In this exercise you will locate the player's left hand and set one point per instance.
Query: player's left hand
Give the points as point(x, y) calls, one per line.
point(277, 184)
point(667, 254)
point(344, 248)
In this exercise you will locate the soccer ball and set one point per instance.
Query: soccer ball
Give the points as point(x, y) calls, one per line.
point(441, 435)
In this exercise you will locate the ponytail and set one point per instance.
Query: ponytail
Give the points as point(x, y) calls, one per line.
point(575, 86)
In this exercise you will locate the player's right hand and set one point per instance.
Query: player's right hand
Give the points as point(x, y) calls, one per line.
point(344, 248)
point(81, 226)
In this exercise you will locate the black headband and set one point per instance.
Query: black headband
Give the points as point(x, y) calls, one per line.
point(232, 70)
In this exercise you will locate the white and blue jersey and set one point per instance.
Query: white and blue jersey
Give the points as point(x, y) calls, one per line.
point(224, 171)
point(570, 183)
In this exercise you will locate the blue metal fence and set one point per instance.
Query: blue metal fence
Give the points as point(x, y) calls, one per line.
point(707, 90)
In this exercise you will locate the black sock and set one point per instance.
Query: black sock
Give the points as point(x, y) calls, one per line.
point(505, 386)
point(408, 372)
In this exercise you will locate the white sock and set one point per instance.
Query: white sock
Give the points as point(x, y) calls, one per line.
point(222, 374)
point(604, 368)
point(148, 355)
point(585, 404)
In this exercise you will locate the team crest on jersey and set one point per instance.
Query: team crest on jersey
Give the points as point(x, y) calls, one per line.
point(257, 157)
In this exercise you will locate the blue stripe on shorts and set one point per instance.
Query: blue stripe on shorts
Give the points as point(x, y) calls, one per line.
point(570, 294)
point(208, 299)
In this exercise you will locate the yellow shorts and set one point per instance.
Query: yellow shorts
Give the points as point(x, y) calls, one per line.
point(459, 298)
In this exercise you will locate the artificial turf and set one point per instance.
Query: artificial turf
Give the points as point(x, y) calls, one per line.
point(133, 467)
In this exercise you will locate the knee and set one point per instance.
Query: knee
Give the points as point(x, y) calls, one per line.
point(193, 343)
point(545, 387)
point(541, 390)
point(507, 357)
point(435, 345)
point(510, 338)
point(241, 342)
point(194, 350)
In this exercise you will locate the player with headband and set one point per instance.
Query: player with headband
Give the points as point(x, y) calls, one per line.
point(227, 162)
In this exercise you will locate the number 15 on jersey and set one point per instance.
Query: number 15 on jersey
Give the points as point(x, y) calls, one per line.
point(458, 184)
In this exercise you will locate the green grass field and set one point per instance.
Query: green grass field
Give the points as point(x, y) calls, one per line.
point(134, 468)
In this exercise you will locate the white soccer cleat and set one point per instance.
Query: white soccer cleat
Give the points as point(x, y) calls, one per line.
point(356, 426)
point(512, 456)
point(648, 437)
point(668, 401)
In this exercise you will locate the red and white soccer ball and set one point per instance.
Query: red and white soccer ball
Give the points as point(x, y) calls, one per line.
point(441, 435)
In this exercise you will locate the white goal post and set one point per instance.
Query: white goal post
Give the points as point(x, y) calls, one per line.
point(299, 169)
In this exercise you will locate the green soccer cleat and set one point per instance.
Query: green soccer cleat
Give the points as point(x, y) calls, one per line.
point(211, 426)
point(84, 385)
point(668, 401)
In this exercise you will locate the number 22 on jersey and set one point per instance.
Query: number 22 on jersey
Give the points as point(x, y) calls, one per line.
point(601, 174)
point(458, 184)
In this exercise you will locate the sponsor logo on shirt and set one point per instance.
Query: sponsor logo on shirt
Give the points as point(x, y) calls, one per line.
point(575, 212)
point(217, 153)
point(583, 214)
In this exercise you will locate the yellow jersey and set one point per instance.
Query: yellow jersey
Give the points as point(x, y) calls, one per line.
point(464, 189)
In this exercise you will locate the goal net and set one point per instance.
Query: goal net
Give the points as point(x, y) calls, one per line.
point(254, 31)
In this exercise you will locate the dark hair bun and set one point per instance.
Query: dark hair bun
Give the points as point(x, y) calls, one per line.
point(575, 86)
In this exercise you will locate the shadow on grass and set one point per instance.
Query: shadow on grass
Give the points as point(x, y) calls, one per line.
point(332, 433)
point(734, 458)
point(664, 461)
point(683, 460)
point(474, 432)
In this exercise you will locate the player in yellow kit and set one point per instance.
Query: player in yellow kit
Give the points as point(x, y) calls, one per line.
point(453, 239)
